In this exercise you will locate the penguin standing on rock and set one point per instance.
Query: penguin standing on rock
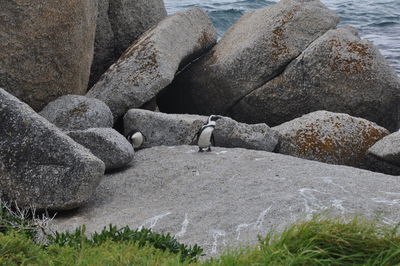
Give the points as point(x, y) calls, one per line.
point(136, 138)
point(205, 137)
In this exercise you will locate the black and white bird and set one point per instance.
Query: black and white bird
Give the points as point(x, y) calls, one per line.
point(205, 138)
point(136, 138)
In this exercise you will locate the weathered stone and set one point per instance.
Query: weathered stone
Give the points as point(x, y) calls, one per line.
point(46, 48)
point(178, 129)
point(225, 198)
point(388, 149)
point(338, 72)
point(75, 112)
point(39, 165)
point(119, 23)
point(106, 144)
point(251, 52)
point(329, 137)
point(150, 64)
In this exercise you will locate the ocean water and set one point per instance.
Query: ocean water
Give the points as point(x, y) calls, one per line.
point(376, 20)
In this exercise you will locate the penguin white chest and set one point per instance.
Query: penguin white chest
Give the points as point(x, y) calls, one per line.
point(205, 137)
point(137, 140)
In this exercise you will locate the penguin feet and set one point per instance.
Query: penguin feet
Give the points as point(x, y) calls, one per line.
point(209, 149)
point(200, 149)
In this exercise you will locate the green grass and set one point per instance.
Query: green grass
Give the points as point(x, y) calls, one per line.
point(316, 242)
point(322, 242)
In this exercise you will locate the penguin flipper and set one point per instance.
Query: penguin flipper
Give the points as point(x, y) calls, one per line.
point(196, 136)
point(212, 140)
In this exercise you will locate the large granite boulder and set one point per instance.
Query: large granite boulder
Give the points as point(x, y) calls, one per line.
point(329, 137)
point(339, 72)
point(225, 198)
point(106, 144)
point(46, 48)
point(119, 23)
point(252, 51)
point(75, 112)
point(384, 156)
point(180, 129)
point(151, 63)
point(39, 165)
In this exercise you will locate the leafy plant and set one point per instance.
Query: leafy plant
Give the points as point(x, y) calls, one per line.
point(143, 237)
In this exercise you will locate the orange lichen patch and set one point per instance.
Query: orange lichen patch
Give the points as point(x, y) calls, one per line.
point(278, 35)
point(334, 43)
point(336, 145)
point(357, 48)
point(350, 65)
point(360, 59)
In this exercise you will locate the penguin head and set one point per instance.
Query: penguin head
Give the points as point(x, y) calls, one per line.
point(213, 118)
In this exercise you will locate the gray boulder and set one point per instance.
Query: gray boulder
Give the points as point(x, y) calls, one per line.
point(39, 165)
point(75, 112)
point(329, 137)
point(119, 23)
point(151, 63)
point(339, 72)
point(106, 144)
point(388, 149)
point(253, 51)
point(46, 48)
point(384, 156)
point(179, 129)
point(225, 198)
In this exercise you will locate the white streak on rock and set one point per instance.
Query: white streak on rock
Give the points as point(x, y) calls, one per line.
point(239, 228)
point(386, 201)
point(216, 235)
point(261, 218)
point(185, 224)
point(329, 180)
point(153, 221)
point(311, 200)
point(338, 204)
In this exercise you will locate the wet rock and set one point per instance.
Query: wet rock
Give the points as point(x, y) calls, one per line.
point(39, 165)
point(339, 72)
point(329, 137)
point(106, 144)
point(119, 23)
point(252, 51)
point(226, 198)
point(178, 129)
point(46, 48)
point(75, 112)
point(150, 64)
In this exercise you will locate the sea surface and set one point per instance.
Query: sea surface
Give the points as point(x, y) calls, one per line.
point(376, 20)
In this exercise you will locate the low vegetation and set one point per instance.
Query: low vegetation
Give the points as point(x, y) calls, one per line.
point(316, 242)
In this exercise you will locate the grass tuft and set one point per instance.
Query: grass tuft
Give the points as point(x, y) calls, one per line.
point(323, 242)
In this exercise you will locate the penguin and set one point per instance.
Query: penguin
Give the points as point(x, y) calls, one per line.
point(204, 136)
point(136, 138)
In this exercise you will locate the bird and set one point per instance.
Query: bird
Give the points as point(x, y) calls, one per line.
point(204, 136)
point(136, 138)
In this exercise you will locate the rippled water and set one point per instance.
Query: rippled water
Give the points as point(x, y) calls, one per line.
point(376, 20)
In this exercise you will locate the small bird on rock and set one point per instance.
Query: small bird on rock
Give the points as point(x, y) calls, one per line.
point(204, 136)
point(136, 138)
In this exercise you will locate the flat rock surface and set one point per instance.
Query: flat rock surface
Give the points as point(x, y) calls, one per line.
point(227, 197)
